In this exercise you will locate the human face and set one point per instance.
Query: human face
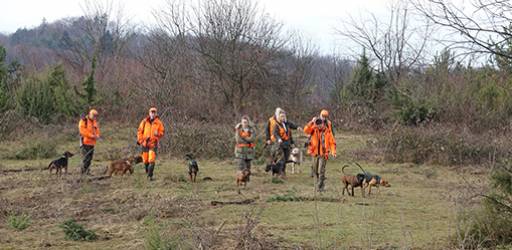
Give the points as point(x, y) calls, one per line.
point(245, 123)
point(152, 114)
point(282, 117)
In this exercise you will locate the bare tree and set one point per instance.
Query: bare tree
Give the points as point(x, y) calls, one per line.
point(236, 42)
point(396, 45)
point(485, 27)
point(102, 33)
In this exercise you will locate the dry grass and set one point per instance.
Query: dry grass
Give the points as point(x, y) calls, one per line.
point(417, 212)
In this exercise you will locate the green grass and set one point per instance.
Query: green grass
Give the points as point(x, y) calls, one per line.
point(18, 222)
point(416, 212)
point(77, 232)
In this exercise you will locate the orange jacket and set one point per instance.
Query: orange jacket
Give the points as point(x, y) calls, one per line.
point(317, 146)
point(149, 133)
point(271, 124)
point(88, 130)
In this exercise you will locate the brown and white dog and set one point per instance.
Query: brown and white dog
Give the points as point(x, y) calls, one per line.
point(296, 159)
point(120, 167)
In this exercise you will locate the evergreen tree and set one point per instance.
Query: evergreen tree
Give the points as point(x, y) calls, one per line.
point(3, 80)
point(65, 103)
point(89, 87)
point(366, 86)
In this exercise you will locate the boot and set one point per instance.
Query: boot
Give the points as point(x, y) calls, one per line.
point(151, 168)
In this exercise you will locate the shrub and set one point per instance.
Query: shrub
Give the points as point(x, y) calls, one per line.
point(77, 232)
point(154, 240)
point(441, 146)
point(200, 139)
point(35, 99)
point(37, 150)
point(18, 222)
point(409, 111)
point(490, 225)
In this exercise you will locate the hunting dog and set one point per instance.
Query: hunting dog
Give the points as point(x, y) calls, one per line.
point(120, 167)
point(59, 164)
point(274, 167)
point(193, 167)
point(295, 158)
point(352, 181)
point(371, 180)
point(242, 177)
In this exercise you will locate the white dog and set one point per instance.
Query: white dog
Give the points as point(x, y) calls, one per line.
point(295, 158)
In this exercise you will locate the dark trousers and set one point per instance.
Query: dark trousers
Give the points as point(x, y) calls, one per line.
point(284, 156)
point(244, 164)
point(87, 154)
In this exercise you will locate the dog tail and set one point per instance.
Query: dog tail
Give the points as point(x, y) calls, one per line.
point(360, 167)
point(343, 168)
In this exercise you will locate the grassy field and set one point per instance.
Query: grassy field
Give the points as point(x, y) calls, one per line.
point(416, 212)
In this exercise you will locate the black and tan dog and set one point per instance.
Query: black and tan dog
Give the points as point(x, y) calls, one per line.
point(59, 164)
point(352, 181)
point(371, 180)
point(120, 167)
point(274, 167)
point(193, 167)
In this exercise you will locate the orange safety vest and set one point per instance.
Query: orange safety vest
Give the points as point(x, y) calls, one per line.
point(283, 133)
point(245, 134)
point(88, 129)
point(317, 146)
point(271, 124)
point(149, 133)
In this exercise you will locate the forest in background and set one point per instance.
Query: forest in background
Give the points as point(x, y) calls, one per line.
point(206, 65)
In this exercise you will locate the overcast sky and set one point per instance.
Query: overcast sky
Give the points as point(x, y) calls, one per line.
point(313, 18)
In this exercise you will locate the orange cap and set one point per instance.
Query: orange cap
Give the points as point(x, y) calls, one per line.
point(324, 113)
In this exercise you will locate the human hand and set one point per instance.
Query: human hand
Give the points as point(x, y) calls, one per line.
point(268, 142)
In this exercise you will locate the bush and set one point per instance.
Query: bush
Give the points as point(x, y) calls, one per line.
point(47, 98)
point(409, 111)
point(200, 139)
point(37, 150)
point(490, 226)
point(441, 146)
point(77, 232)
point(155, 241)
point(35, 99)
point(18, 222)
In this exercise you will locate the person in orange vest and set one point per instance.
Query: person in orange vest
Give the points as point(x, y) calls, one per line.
point(321, 144)
point(271, 139)
point(282, 136)
point(89, 133)
point(269, 130)
point(244, 137)
point(150, 131)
